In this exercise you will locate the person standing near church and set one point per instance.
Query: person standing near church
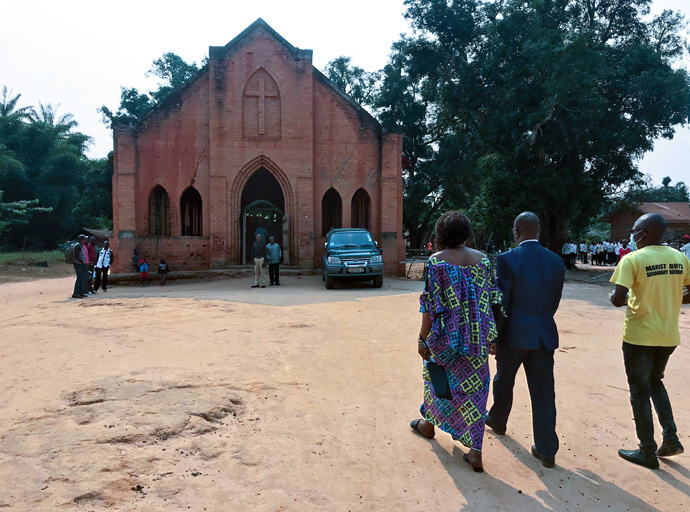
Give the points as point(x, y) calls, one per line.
point(80, 266)
point(105, 259)
point(273, 255)
point(654, 277)
point(91, 250)
point(531, 279)
point(259, 255)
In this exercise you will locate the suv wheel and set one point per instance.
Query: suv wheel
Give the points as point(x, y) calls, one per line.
point(378, 281)
point(330, 282)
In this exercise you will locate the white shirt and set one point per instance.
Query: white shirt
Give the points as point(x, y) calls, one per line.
point(530, 240)
point(566, 248)
point(573, 249)
point(583, 247)
point(686, 250)
point(105, 258)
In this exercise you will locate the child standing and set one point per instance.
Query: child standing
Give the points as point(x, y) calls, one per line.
point(143, 272)
point(163, 270)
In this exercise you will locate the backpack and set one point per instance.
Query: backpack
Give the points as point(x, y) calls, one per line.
point(69, 253)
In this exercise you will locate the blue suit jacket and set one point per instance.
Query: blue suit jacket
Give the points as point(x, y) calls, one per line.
point(531, 279)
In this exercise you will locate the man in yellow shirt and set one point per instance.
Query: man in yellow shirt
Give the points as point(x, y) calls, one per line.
point(654, 276)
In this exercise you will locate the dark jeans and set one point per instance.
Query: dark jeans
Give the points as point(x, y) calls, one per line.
point(273, 273)
point(88, 278)
point(82, 276)
point(101, 272)
point(539, 371)
point(645, 367)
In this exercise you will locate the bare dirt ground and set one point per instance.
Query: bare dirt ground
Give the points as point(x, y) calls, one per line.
point(212, 396)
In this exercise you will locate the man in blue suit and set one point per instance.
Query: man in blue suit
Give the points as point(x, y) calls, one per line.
point(531, 278)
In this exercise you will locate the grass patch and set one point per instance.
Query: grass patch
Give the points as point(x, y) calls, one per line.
point(26, 258)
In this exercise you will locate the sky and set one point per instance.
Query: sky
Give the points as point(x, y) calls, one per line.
point(79, 53)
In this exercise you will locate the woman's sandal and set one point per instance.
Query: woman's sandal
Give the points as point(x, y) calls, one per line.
point(415, 423)
point(476, 469)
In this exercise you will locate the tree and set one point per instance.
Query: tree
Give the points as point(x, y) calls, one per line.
point(42, 161)
point(174, 72)
point(675, 194)
point(171, 69)
point(554, 101)
point(352, 80)
point(18, 212)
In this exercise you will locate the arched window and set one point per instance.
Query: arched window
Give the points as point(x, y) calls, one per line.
point(331, 211)
point(159, 212)
point(361, 208)
point(190, 210)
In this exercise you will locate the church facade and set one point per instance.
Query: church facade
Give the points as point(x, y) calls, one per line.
point(257, 141)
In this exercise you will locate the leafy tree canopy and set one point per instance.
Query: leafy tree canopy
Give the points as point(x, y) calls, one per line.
point(531, 105)
point(134, 105)
point(45, 174)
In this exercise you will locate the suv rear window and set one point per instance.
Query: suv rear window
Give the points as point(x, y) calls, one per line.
point(353, 240)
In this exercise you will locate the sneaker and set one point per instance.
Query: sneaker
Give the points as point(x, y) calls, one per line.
point(640, 458)
point(669, 450)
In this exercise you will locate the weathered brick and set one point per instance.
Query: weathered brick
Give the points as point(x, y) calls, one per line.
point(259, 104)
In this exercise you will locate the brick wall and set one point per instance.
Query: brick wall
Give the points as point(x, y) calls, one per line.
point(259, 104)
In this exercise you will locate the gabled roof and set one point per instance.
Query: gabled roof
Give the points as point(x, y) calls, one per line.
point(672, 212)
point(261, 23)
point(174, 97)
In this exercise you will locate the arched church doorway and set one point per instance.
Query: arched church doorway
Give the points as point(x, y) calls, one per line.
point(261, 212)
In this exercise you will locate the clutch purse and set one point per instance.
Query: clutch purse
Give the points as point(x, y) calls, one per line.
point(439, 380)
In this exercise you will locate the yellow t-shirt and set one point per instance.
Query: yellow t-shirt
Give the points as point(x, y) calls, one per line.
point(655, 276)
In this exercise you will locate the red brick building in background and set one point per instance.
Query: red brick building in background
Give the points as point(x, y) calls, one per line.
point(257, 139)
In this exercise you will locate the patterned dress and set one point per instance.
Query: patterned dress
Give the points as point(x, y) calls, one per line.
point(459, 300)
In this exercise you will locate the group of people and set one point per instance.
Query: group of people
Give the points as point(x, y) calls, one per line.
point(266, 255)
point(92, 268)
point(604, 252)
point(469, 314)
point(140, 265)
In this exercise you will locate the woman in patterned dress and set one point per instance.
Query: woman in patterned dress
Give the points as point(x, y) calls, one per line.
point(458, 332)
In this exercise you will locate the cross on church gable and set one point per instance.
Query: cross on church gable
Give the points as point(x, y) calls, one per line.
point(261, 94)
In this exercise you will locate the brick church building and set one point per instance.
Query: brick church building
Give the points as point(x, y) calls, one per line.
point(258, 139)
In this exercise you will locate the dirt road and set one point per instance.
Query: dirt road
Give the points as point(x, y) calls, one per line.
point(212, 396)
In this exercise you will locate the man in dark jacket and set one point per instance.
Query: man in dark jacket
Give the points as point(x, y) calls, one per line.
point(531, 278)
point(80, 267)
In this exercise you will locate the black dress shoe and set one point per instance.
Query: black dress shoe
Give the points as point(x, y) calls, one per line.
point(546, 462)
point(493, 426)
point(77, 296)
point(255, 286)
point(640, 458)
point(669, 450)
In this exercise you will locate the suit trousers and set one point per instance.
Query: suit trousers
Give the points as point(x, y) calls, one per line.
point(538, 366)
point(644, 367)
point(101, 273)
